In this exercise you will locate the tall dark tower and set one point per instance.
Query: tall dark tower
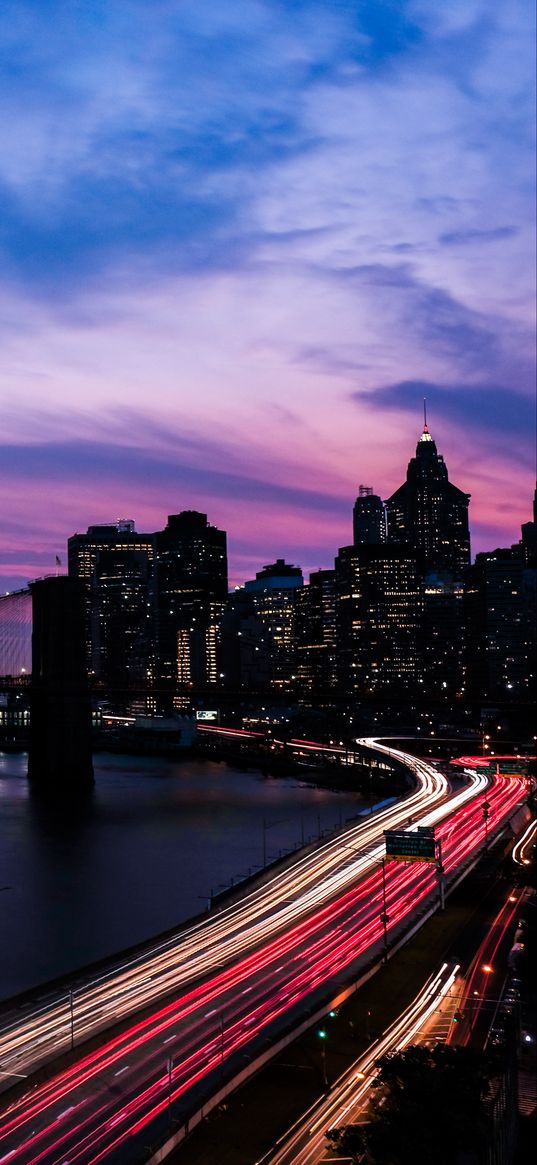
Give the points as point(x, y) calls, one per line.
point(429, 513)
point(60, 759)
point(192, 595)
point(369, 518)
point(115, 566)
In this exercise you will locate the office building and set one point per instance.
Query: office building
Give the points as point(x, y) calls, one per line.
point(501, 621)
point(115, 566)
point(60, 756)
point(369, 518)
point(192, 585)
point(429, 513)
point(274, 596)
point(379, 609)
point(245, 650)
point(316, 633)
point(443, 637)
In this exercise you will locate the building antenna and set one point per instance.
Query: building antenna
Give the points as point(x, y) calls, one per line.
point(425, 411)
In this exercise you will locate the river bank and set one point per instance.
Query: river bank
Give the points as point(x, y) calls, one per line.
point(148, 848)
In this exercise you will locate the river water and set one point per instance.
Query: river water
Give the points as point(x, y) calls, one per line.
point(142, 855)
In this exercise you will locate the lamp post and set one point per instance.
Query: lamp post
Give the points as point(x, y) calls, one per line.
point(322, 1036)
point(271, 825)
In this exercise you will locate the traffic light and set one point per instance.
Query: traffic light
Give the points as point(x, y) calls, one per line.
point(458, 1017)
point(333, 1013)
point(321, 1033)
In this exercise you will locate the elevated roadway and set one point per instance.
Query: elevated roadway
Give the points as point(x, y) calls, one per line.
point(238, 980)
point(33, 1035)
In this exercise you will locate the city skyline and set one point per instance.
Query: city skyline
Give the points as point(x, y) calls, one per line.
point(61, 561)
point(230, 288)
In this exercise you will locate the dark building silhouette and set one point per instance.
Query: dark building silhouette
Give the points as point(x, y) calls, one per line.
point(501, 620)
point(245, 646)
point(316, 633)
point(273, 593)
point(529, 535)
point(430, 514)
point(369, 518)
point(192, 585)
point(443, 642)
point(116, 568)
point(122, 596)
point(379, 611)
point(153, 604)
point(60, 756)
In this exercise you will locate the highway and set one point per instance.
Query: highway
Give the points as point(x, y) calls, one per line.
point(36, 1034)
point(347, 1101)
point(485, 979)
point(123, 1095)
point(522, 847)
point(428, 1019)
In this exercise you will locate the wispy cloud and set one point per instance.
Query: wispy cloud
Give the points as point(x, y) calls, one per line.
point(487, 410)
point(231, 232)
point(475, 235)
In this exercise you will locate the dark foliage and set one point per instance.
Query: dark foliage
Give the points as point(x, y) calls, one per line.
point(428, 1105)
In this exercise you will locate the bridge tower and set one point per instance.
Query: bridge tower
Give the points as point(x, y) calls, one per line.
point(60, 756)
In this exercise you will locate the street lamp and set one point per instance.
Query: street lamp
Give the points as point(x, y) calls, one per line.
point(269, 825)
point(322, 1036)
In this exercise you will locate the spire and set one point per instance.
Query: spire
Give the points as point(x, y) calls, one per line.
point(425, 436)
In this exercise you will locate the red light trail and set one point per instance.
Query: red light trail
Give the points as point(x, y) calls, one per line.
point(87, 1112)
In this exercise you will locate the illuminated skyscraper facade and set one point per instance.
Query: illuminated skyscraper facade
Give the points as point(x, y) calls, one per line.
point(115, 565)
point(379, 608)
point(274, 595)
point(429, 513)
point(192, 587)
point(316, 633)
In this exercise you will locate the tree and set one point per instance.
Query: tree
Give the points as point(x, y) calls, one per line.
point(427, 1106)
point(350, 1141)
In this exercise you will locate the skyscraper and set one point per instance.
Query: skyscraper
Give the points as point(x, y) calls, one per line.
point(316, 633)
point(274, 598)
point(429, 513)
point(501, 616)
point(378, 619)
point(191, 597)
point(116, 568)
point(369, 518)
point(60, 757)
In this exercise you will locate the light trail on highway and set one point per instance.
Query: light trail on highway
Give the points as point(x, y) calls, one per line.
point(305, 1143)
point(522, 847)
point(481, 985)
point(115, 1097)
point(38, 1033)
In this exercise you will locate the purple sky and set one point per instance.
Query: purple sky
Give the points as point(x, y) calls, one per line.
point(240, 241)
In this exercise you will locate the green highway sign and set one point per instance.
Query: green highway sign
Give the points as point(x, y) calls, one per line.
point(416, 846)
